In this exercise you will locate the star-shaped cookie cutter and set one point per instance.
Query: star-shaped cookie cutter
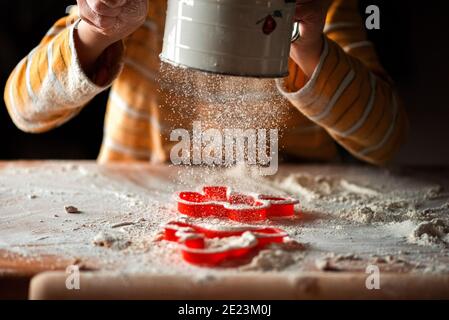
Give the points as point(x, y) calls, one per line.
point(195, 249)
point(221, 202)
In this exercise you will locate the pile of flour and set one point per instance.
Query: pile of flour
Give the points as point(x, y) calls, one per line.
point(375, 202)
point(434, 233)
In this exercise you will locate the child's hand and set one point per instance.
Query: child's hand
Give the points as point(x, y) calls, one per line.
point(104, 22)
point(115, 19)
point(306, 51)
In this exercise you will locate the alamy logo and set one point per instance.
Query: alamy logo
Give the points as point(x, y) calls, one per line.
point(73, 280)
point(372, 22)
point(373, 280)
point(228, 147)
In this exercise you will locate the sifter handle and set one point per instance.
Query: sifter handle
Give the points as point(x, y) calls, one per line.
point(296, 34)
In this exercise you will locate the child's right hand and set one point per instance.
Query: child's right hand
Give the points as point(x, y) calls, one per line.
point(114, 19)
point(105, 22)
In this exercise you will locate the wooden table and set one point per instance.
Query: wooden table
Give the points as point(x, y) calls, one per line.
point(37, 235)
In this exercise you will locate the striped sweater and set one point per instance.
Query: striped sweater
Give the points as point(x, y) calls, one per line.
point(349, 99)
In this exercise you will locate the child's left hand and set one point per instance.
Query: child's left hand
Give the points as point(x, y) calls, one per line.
point(306, 51)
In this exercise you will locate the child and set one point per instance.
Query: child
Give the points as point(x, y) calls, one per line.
point(336, 84)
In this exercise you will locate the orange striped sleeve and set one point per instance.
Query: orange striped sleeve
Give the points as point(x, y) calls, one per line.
point(48, 87)
point(133, 127)
point(350, 95)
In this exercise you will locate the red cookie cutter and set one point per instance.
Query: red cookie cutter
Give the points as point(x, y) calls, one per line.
point(195, 251)
point(221, 202)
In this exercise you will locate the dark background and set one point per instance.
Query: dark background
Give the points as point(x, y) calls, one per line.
point(413, 44)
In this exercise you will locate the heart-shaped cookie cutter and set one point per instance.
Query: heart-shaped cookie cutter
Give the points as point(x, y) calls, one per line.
point(196, 251)
point(216, 201)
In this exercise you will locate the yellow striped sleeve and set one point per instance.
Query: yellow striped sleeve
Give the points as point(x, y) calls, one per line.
point(349, 94)
point(49, 87)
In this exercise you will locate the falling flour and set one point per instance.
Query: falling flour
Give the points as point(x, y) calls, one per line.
point(220, 102)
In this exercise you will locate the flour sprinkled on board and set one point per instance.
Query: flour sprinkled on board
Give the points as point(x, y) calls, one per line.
point(112, 240)
point(359, 211)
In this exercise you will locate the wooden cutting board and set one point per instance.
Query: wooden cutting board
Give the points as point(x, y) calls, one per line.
point(38, 235)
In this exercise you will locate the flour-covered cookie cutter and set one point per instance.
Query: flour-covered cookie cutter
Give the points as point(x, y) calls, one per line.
point(222, 202)
point(195, 250)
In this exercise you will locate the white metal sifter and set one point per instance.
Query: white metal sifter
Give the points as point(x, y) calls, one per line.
point(233, 37)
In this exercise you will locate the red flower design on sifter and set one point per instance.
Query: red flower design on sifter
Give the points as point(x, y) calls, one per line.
point(269, 22)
